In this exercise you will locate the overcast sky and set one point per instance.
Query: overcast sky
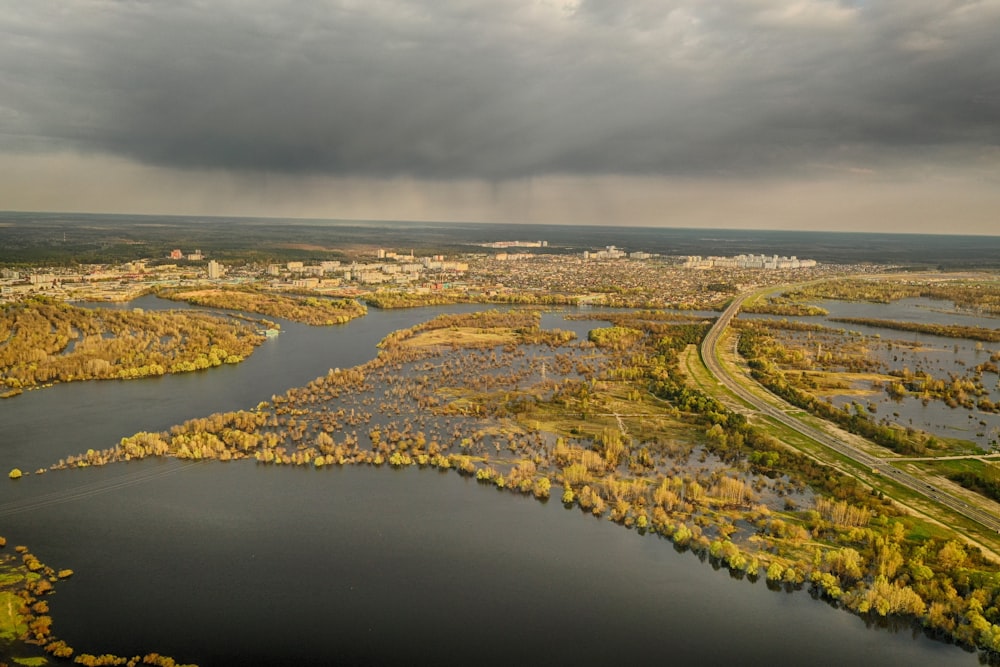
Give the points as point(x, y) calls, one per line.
point(806, 114)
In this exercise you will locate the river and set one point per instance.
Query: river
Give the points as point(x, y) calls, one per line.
point(234, 563)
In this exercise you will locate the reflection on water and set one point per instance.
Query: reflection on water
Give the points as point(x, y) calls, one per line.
point(238, 563)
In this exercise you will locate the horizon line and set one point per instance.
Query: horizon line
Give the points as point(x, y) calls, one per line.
point(487, 222)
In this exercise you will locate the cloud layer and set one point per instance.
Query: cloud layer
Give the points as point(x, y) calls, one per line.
point(444, 89)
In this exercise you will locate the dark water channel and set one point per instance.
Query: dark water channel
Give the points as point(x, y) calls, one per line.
point(234, 563)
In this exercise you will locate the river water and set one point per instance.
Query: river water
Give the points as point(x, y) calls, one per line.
point(234, 563)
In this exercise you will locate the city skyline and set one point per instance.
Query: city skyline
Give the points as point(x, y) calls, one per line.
point(811, 115)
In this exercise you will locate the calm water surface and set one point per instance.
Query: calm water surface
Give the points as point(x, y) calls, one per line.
point(242, 564)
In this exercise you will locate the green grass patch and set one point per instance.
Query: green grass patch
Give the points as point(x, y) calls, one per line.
point(461, 337)
point(976, 466)
point(12, 624)
point(922, 531)
point(10, 578)
point(31, 662)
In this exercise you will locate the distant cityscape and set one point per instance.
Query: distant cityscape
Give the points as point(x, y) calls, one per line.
point(387, 269)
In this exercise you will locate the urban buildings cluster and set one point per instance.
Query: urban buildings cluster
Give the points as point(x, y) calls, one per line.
point(498, 273)
point(125, 281)
point(400, 270)
point(610, 252)
point(613, 252)
point(747, 262)
point(515, 244)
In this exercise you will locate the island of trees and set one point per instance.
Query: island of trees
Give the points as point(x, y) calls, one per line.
point(314, 310)
point(44, 341)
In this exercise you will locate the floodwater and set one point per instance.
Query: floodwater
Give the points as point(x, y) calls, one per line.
point(234, 563)
point(939, 356)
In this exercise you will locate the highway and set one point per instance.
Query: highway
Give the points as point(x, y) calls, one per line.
point(780, 414)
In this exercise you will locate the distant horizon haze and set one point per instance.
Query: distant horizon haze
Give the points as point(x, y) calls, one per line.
point(236, 218)
point(594, 201)
point(71, 235)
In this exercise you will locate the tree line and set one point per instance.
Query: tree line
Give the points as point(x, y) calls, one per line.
point(310, 310)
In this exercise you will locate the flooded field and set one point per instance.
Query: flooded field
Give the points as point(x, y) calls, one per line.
point(886, 359)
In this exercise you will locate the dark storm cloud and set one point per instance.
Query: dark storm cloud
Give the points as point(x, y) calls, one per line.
point(503, 89)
